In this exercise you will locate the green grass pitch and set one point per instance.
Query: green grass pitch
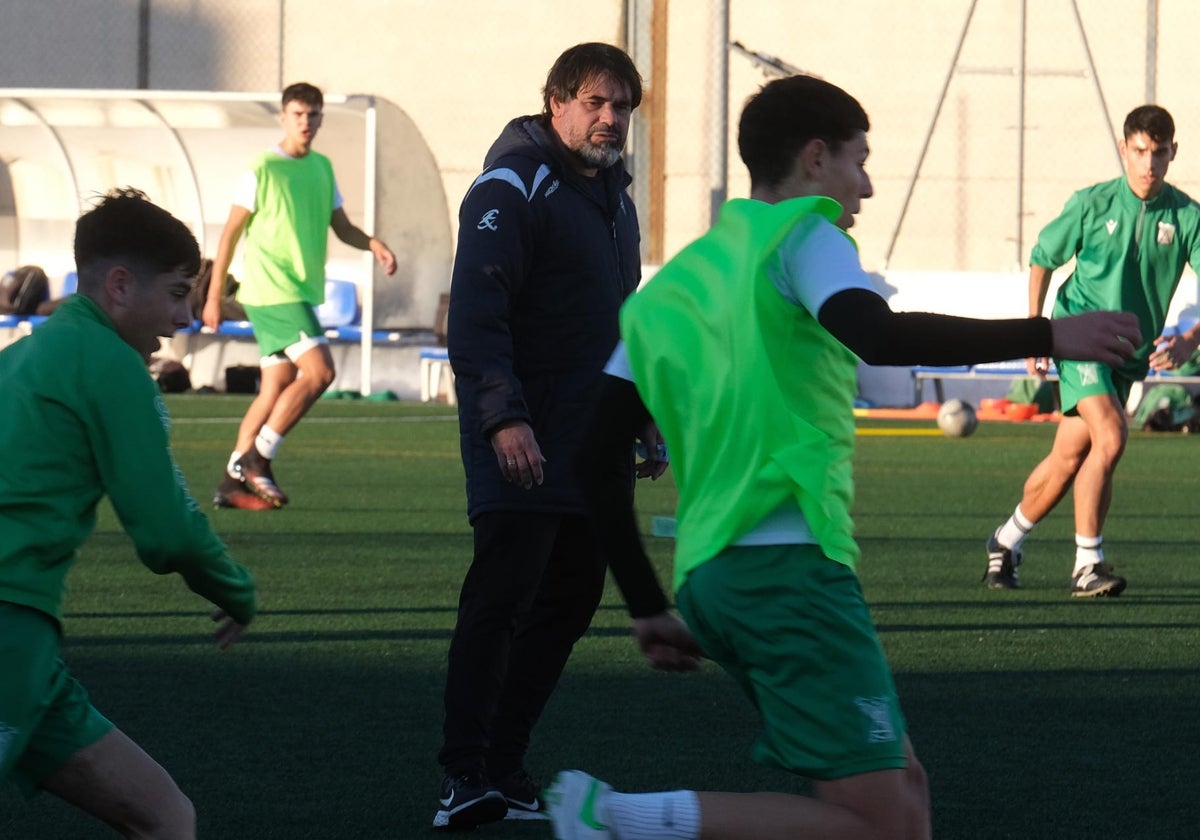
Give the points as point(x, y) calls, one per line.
point(1036, 716)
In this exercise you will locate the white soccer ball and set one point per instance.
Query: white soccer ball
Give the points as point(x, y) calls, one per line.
point(956, 418)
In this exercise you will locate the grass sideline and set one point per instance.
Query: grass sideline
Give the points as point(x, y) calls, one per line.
point(1036, 716)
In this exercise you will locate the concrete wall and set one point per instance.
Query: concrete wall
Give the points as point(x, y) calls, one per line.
point(461, 69)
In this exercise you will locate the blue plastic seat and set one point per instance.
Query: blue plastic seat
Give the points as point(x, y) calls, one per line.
point(340, 308)
point(70, 284)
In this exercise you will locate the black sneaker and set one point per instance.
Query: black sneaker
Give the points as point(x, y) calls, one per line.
point(1002, 566)
point(255, 472)
point(523, 796)
point(232, 493)
point(1097, 581)
point(468, 800)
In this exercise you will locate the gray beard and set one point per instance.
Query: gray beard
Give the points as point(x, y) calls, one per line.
point(597, 157)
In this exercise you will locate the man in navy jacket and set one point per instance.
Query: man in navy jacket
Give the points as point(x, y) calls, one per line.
point(548, 249)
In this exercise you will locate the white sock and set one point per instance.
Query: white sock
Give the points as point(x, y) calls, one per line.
point(1088, 551)
point(233, 459)
point(1013, 532)
point(267, 442)
point(671, 815)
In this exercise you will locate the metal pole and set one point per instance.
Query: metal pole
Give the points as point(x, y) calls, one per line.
point(370, 225)
point(912, 183)
point(279, 68)
point(143, 39)
point(719, 122)
point(1021, 142)
point(1096, 78)
point(1151, 50)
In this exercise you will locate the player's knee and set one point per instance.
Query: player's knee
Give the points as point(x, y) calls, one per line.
point(168, 817)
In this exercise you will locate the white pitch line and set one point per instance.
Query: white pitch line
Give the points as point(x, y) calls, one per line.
point(437, 418)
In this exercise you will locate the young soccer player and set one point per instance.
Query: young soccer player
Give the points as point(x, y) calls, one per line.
point(81, 419)
point(1131, 239)
point(285, 205)
point(744, 348)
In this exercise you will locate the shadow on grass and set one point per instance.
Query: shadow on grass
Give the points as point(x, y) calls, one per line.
point(298, 741)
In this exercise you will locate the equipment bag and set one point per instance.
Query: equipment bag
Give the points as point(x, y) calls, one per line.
point(22, 289)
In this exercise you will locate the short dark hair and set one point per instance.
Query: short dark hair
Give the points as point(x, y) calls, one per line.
point(583, 63)
point(304, 93)
point(785, 114)
point(126, 227)
point(1151, 120)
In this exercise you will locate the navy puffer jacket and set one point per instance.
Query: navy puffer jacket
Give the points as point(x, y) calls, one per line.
point(545, 258)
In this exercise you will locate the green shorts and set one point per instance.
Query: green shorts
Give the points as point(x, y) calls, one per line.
point(290, 328)
point(1077, 380)
point(792, 628)
point(45, 714)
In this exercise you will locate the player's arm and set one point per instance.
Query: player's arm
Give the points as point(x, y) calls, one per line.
point(356, 237)
point(235, 225)
point(147, 490)
point(1039, 285)
point(602, 462)
point(863, 321)
point(819, 270)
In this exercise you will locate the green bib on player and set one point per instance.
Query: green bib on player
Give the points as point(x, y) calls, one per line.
point(752, 395)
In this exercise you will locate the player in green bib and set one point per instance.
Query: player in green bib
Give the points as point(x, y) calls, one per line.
point(81, 419)
point(284, 205)
point(1131, 239)
point(744, 349)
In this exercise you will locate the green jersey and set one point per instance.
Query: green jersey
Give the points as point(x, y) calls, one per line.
point(288, 232)
point(753, 396)
point(81, 418)
point(1129, 255)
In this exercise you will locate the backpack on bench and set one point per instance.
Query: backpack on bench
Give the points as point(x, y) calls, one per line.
point(23, 289)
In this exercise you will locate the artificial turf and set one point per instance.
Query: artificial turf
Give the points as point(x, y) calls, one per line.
point(1036, 716)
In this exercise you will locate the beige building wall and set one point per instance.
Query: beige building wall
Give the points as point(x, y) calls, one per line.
point(461, 68)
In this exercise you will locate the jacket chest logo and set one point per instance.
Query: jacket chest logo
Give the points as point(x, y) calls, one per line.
point(1110, 226)
point(1166, 233)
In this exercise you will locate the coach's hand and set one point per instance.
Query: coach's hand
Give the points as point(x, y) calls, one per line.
point(518, 454)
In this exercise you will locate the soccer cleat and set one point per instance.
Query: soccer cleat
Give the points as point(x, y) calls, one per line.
point(258, 478)
point(231, 493)
point(575, 802)
point(522, 795)
point(468, 800)
point(1097, 581)
point(1002, 566)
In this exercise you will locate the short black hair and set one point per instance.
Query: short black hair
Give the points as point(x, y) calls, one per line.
point(302, 92)
point(584, 62)
point(1151, 120)
point(785, 115)
point(126, 227)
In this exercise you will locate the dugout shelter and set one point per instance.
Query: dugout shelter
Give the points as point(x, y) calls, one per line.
point(60, 148)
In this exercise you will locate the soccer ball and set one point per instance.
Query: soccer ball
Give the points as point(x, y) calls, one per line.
point(956, 418)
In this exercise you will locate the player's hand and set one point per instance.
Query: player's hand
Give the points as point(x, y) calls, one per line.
point(229, 631)
point(1171, 351)
point(666, 643)
point(1037, 366)
point(385, 256)
point(518, 454)
point(1106, 337)
point(654, 462)
point(211, 315)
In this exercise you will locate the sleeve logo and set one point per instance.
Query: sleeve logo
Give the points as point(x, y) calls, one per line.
point(488, 222)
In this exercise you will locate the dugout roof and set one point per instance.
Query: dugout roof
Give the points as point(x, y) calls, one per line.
point(59, 148)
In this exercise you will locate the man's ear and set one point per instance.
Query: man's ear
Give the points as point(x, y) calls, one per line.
point(118, 282)
point(812, 158)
